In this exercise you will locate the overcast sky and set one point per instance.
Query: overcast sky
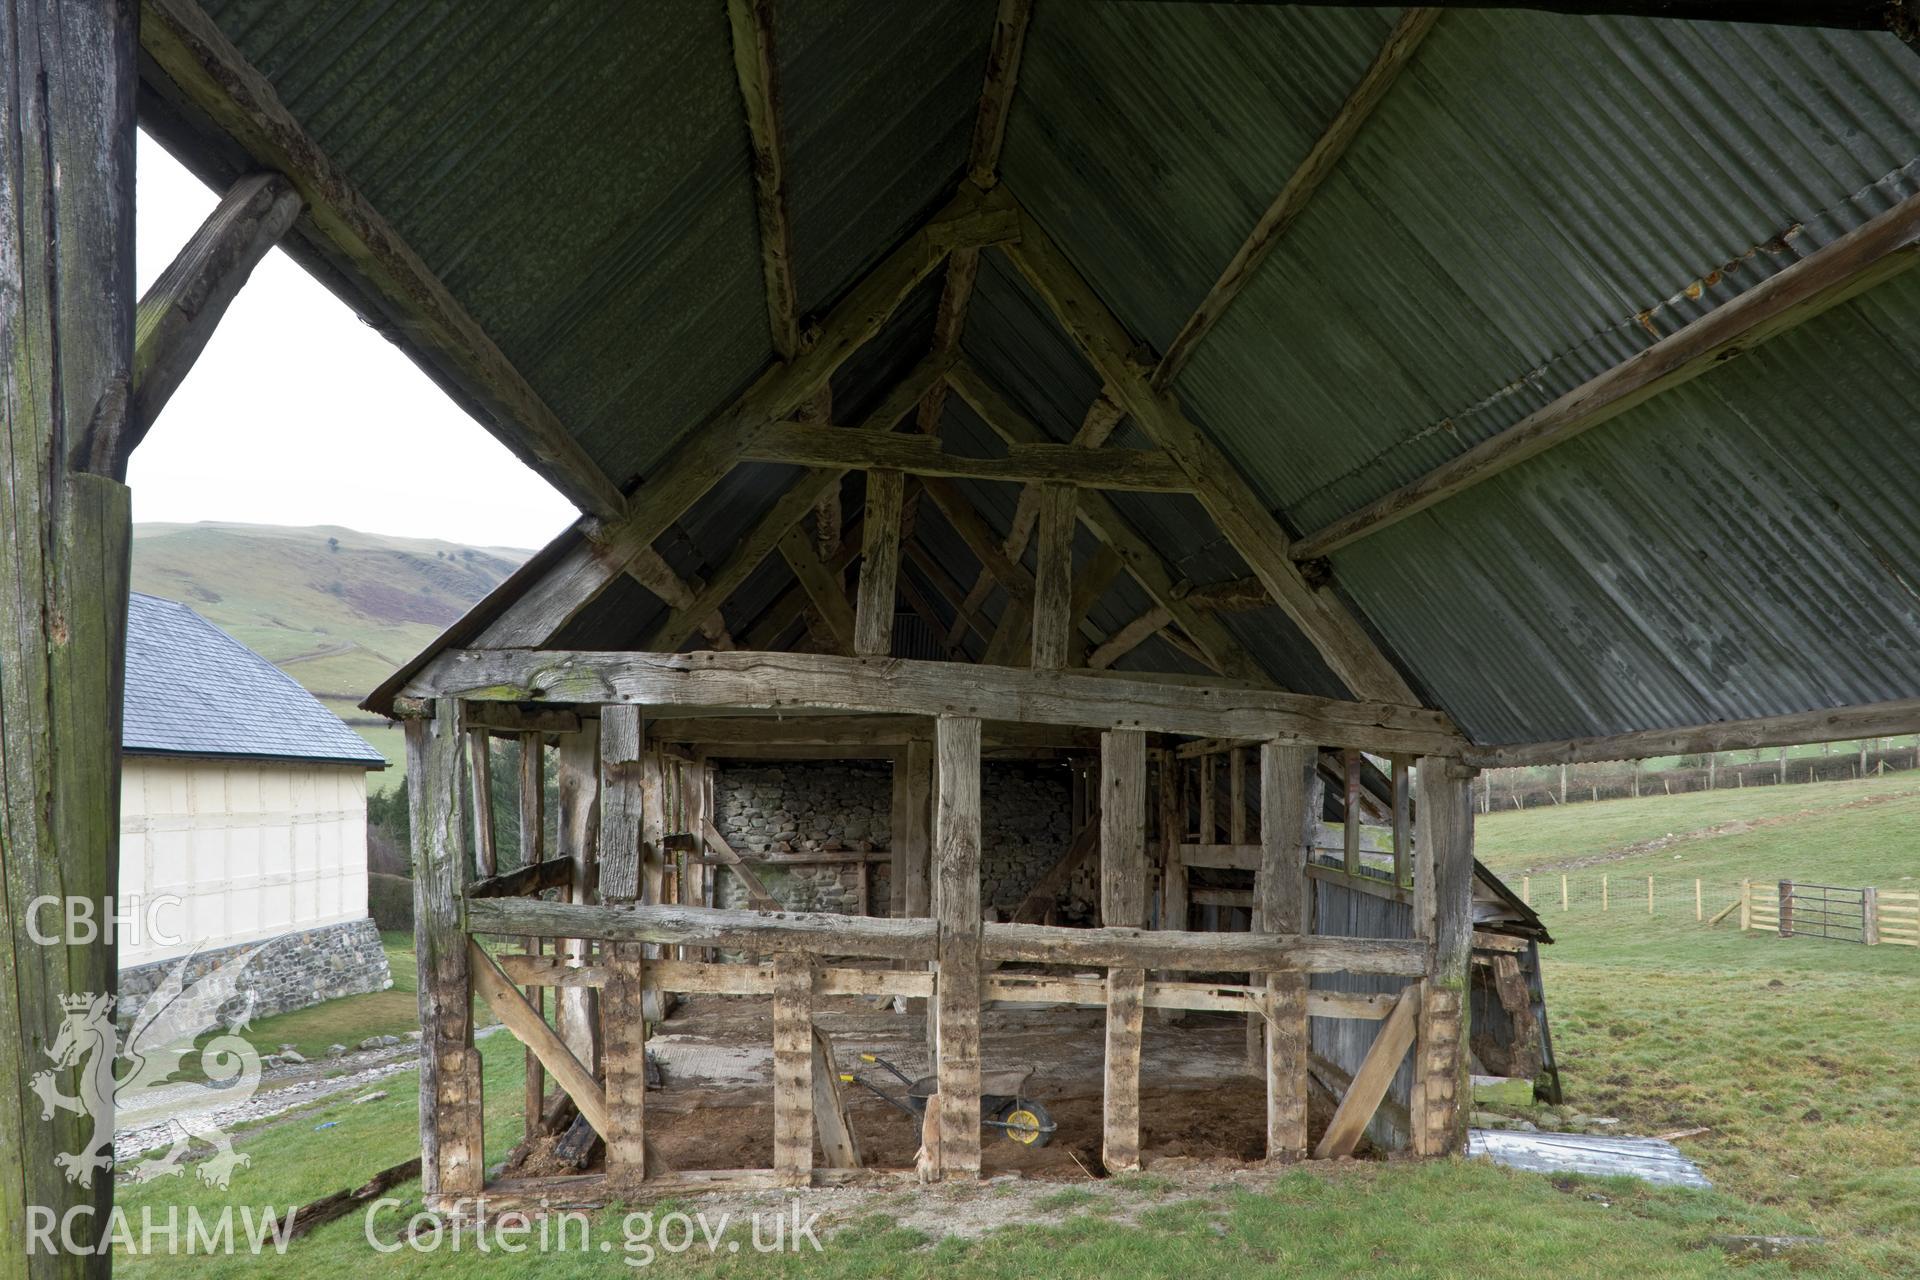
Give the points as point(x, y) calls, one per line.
point(298, 414)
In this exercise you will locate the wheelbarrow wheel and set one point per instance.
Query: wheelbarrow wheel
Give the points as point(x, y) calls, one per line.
point(1027, 1123)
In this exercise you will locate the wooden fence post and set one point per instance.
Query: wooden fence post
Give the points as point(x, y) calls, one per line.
point(1563, 891)
point(1603, 893)
point(1870, 914)
point(1699, 912)
point(1746, 905)
point(1649, 895)
point(1786, 908)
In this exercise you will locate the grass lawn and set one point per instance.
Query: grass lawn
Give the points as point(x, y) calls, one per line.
point(1795, 1053)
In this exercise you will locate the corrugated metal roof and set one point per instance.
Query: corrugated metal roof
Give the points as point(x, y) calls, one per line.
point(578, 175)
point(193, 690)
point(1536, 199)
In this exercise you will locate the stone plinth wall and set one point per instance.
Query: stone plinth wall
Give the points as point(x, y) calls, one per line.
point(291, 971)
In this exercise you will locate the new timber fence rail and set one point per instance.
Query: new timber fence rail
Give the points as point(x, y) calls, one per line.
point(1842, 913)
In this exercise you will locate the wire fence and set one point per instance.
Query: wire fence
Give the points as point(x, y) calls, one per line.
point(1533, 788)
point(1592, 892)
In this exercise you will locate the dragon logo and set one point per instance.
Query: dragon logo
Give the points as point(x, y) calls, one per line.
point(135, 1086)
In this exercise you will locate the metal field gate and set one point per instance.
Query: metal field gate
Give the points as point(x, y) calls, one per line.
point(1823, 911)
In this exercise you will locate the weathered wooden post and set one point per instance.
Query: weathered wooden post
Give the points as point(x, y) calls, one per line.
point(1786, 908)
point(630, 869)
point(1746, 905)
point(1288, 818)
point(1870, 915)
point(1443, 915)
point(67, 320)
point(1123, 902)
point(451, 1160)
point(956, 908)
point(577, 1009)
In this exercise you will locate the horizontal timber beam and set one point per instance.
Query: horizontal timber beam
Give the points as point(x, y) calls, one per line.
point(1868, 720)
point(795, 683)
point(1866, 256)
point(731, 930)
point(1210, 952)
point(1901, 17)
point(1141, 470)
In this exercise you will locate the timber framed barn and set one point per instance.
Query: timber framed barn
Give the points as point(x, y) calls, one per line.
point(1170, 382)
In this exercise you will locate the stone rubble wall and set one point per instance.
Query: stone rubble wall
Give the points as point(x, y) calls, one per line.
point(291, 971)
point(829, 805)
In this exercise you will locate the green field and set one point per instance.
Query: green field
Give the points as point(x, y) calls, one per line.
point(335, 609)
point(1798, 1056)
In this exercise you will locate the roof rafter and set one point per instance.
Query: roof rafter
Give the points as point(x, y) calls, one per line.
point(1869, 720)
point(1321, 160)
point(439, 333)
point(1869, 255)
point(751, 24)
point(1234, 506)
point(710, 451)
point(1142, 470)
point(983, 171)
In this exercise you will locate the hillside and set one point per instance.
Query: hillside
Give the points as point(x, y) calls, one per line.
point(335, 609)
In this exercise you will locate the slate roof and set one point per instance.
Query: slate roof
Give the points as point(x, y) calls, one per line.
point(193, 690)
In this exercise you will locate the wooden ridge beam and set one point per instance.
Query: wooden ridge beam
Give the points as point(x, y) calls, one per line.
point(750, 23)
point(1216, 644)
point(1867, 256)
point(178, 315)
point(792, 683)
point(1867, 720)
point(1342, 642)
point(1901, 17)
point(1320, 162)
point(441, 335)
point(1142, 470)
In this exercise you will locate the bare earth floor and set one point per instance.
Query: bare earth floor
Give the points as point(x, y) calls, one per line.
point(1200, 1105)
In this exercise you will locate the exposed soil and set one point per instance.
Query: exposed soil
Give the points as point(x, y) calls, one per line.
point(1199, 1103)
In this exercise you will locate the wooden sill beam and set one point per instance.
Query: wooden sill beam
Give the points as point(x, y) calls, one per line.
point(1863, 258)
point(1140, 470)
point(1343, 643)
point(1868, 720)
point(1320, 162)
point(180, 312)
point(440, 334)
point(793, 684)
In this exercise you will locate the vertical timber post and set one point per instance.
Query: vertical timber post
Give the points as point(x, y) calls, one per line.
point(1443, 917)
point(1281, 906)
point(626, 803)
point(533, 834)
point(66, 320)
point(879, 564)
point(577, 1009)
point(1052, 579)
point(956, 840)
point(1123, 902)
point(451, 1160)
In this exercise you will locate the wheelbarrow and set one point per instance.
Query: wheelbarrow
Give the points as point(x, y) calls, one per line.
point(1004, 1104)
